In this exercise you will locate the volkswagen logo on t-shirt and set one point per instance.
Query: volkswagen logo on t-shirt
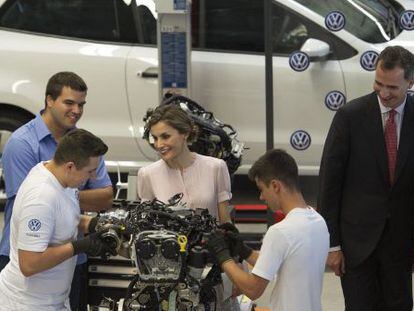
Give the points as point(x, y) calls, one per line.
point(34, 224)
point(335, 21)
point(300, 140)
point(299, 61)
point(369, 60)
point(407, 20)
point(335, 100)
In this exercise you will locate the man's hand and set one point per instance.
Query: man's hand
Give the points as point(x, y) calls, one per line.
point(336, 262)
point(235, 242)
point(92, 224)
point(217, 245)
point(228, 227)
point(237, 246)
point(93, 245)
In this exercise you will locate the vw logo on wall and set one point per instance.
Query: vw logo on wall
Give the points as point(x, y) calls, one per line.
point(335, 100)
point(407, 20)
point(335, 21)
point(369, 60)
point(34, 224)
point(300, 140)
point(299, 61)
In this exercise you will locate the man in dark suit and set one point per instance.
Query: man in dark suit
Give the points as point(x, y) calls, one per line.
point(367, 189)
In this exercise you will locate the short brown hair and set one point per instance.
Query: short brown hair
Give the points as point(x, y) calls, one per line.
point(173, 116)
point(397, 56)
point(276, 164)
point(61, 79)
point(78, 146)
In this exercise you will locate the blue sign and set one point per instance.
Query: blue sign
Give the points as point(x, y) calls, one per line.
point(34, 224)
point(335, 21)
point(299, 61)
point(174, 59)
point(300, 140)
point(335, 100)
point(368, 60)
point(180, 4)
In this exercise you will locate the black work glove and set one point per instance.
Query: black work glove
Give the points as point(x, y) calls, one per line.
point(228, 227)
point(92, 224)
point(217, 245)
point(93, 245)
point(237, 246)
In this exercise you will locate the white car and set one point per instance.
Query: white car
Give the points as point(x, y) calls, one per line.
point(112, 45)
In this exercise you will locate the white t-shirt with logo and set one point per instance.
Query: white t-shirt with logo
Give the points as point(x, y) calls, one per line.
point(294, 252)
point(44, 214)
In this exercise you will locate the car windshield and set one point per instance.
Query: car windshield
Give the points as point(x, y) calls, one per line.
point(374, 21)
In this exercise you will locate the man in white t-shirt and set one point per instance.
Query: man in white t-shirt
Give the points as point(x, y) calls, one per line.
point(294, 250)
point(44, 227)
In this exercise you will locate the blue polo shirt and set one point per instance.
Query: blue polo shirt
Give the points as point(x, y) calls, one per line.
point(26, 147)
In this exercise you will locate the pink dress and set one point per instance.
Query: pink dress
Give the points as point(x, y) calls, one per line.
point(205, 183)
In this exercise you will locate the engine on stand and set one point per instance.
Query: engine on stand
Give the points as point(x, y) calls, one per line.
point(165, 241)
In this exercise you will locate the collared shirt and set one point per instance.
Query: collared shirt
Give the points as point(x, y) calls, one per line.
point(398, 116)
point(27, 146)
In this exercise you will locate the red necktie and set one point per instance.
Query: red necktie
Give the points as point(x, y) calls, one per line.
point(390, 133)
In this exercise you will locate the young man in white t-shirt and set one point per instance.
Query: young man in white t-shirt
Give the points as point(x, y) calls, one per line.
point(294, 250)
point(44, 227)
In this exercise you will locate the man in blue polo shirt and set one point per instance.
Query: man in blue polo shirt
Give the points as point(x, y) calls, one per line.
point(36, 141)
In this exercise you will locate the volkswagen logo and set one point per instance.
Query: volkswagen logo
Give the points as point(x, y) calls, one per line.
point(335, 100)
point(300, 140)
point(407, 20)
point(410, 93)
point(34, 224)
point(299, 61)
point(335, 21)
point(369, 60)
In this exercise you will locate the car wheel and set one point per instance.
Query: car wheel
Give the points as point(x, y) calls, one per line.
point(9, 122)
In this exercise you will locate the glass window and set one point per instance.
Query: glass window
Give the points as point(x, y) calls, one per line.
point(235, 25)
point(148, 25)
point(238, 25)
point(103, 20)
point(373, 21)
point(291, 30)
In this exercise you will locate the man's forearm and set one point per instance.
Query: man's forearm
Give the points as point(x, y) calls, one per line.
point(33, 262)
point(250, 285)
point(95, 200)
point(253, 258)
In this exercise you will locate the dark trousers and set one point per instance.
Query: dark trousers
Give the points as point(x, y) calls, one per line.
point(78, 290)
point(382, 282)
point(4, 260)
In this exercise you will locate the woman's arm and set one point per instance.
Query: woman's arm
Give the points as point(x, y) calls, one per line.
point(223, 212)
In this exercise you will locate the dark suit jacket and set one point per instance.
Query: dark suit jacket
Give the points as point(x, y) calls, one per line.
point(356, 198)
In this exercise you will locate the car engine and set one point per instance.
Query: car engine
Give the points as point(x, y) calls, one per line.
point(166, 243)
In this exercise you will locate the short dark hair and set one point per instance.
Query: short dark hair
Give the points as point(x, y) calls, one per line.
point(173, 116)
point(276, 164)
point(61, 79)
point(78, 146)
point(397, 56)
